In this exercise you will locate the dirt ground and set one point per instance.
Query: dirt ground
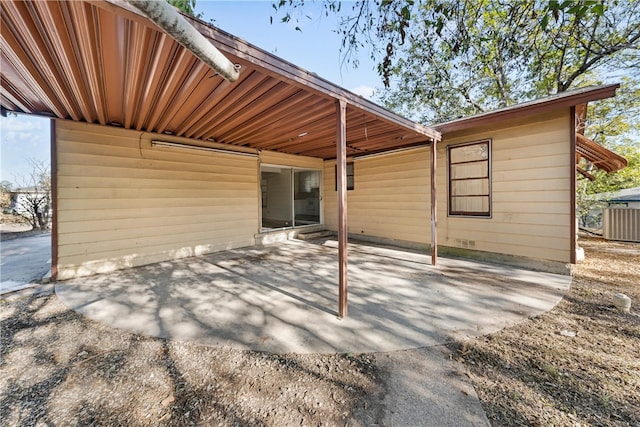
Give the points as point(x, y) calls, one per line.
point(576, 365)
point(58, 368)
point(15, 226)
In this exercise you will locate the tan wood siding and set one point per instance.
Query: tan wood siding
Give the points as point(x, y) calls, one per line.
point(531, 193)
point(531, 167)
point(123, 202)
point(390, 199)
point(274, 158)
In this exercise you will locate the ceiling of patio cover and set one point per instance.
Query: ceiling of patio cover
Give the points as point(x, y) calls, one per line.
point(102, 62)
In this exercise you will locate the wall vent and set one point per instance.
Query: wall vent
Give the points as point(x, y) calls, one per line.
point(464, 243)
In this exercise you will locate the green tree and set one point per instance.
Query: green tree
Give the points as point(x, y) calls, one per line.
point(589, 193)
point(479, 55)
point(625, 178)
point(613, 123)
point(443, 59)
point(187, 6)
point(382, 26)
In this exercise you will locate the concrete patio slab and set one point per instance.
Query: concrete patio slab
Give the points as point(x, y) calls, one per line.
point(24, 262)
point(283, 298)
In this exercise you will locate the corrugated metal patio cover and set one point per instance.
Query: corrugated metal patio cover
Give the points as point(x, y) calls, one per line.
point(598, 155)
point(101, 62)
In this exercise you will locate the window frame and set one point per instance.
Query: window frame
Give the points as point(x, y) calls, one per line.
point(468, 214)
point(352, 175)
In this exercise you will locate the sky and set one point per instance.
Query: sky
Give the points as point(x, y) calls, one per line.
point(23, 139)
point(316, 48)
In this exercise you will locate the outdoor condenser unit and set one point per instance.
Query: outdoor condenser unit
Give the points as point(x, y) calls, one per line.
point(621, 224)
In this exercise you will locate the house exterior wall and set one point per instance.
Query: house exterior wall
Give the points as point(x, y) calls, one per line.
point(531, 196)
point(390, 199)
point(531, 163)
point(282, 159)
point(123, 203)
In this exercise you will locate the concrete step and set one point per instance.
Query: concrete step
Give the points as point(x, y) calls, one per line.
point(311, 235)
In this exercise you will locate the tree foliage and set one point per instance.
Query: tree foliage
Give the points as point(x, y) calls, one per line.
point(187, 6)
point(628, 177)
point(383, 26)
point(443, 59)
point(475, 56)
point(589, 193)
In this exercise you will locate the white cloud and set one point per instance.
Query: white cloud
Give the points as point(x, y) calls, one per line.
point(22, 123)
point(22, 138)
point(364, 91)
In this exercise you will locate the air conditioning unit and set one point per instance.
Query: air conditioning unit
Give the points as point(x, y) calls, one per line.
point(621, 224)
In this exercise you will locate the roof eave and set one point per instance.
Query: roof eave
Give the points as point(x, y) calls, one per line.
point(528, 108)
point(229, 43)
point(236, 46)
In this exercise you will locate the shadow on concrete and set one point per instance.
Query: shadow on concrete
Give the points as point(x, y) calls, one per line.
point(283, 298)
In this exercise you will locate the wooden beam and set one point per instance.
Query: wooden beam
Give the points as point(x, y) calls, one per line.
point(585, 174)
point(434, 206)
point(285, 71)
point(341, 156)
point(54, 199)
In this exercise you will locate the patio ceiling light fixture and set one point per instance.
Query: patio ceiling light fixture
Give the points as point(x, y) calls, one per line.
point(200, 148)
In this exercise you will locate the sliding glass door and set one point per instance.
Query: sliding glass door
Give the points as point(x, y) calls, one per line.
point(306, 203)
point(289, 197)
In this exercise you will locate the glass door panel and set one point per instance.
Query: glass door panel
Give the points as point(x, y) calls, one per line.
point(306, 202)
point(276, 189)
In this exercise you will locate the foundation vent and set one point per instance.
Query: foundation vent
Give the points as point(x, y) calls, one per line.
point(464, 243)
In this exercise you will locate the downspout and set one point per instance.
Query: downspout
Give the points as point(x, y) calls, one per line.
point(573, 230)
point(168, 19)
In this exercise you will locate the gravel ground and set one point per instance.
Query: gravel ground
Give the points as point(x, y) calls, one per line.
point(577, 365)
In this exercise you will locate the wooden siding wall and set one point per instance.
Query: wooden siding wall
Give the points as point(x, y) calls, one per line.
point(531, 191)
point(390, 197)
point(123, 203)
point(531, 167)
point(282, 159)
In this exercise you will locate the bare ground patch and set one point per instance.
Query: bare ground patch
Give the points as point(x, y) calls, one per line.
point(15, 226)
point(578, 364)
point(58, 368)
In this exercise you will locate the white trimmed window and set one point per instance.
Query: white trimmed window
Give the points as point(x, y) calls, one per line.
point(469, 173)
